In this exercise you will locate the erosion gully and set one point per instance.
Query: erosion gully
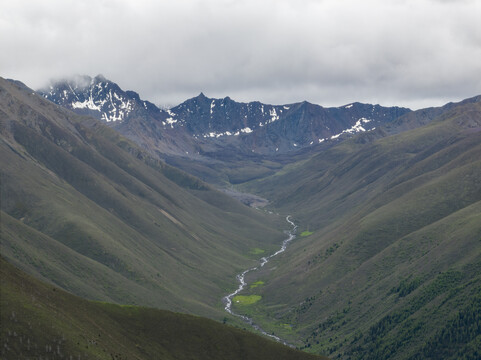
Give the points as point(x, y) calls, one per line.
point(227, 300)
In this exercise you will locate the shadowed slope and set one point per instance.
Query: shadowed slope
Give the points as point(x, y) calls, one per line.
point(38, 320)
point(87, 210)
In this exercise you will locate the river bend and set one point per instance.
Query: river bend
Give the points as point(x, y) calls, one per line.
point(242, 283)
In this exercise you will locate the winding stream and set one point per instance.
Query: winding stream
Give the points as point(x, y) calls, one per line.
point(242, 283)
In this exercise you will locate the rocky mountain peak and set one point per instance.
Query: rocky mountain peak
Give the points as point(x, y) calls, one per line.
point(98, 97)
point(254, 126)
point(100, 78)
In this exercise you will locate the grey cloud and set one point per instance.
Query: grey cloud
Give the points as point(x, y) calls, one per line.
point(328, 52)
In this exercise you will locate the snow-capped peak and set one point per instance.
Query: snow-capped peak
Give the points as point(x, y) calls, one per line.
point(94, 96)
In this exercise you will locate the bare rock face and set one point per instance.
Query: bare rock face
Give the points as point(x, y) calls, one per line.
point(203, 125)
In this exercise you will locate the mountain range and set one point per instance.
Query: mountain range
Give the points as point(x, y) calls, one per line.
point(252, 127)
point(111, 198)
point(204, 133)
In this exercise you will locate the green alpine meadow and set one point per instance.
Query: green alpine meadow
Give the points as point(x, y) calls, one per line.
point(41, 320)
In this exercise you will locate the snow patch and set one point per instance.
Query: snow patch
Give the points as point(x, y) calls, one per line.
point(357, 127)
point(170, 120)
point(126, 106)
point(246, 130)
point(73, 91)
point(216, 135)
point(273, 115)
point(87, 104)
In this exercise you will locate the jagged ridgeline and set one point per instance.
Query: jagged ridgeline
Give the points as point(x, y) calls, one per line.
point(88, 210)
point(261, 128)
point(219, 140)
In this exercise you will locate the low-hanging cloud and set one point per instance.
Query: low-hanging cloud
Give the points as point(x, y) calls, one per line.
point(410, 53)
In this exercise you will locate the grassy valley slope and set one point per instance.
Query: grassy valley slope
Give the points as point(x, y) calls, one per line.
point(387, 261)
point(87, 210)
point(42, 321)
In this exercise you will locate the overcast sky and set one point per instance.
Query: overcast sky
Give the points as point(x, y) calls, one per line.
point(415, 53)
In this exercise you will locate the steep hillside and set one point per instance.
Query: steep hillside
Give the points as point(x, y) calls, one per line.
point(387, 261)
point(87, 210)
point(41, 321)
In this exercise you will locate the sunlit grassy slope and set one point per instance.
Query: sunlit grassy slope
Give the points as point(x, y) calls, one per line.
point(392, 268)
point(42, 321)
point(89, 211)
